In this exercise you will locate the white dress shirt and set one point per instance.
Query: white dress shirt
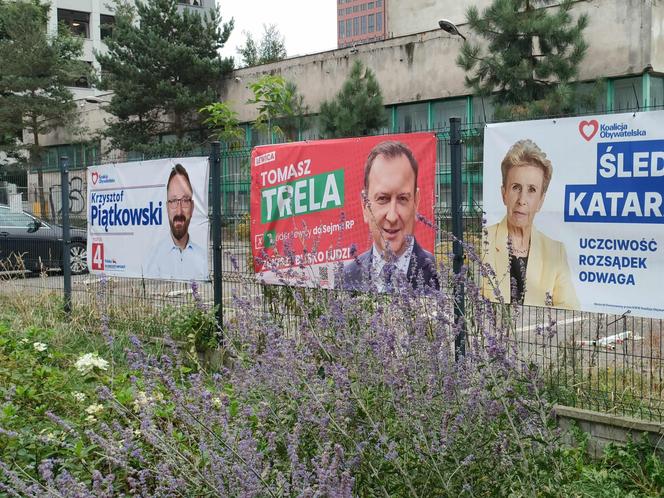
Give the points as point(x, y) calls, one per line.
point(168, 261)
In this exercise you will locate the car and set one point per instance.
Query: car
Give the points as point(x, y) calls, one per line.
point(28, 243)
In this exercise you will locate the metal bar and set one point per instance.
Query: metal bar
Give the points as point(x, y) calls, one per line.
point(215, 165)
point(66, 238)
point(457, 231)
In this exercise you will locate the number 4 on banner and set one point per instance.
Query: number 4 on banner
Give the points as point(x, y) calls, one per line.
point(97, 256)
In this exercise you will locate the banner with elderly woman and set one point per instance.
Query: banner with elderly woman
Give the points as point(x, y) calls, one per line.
point(575, 213)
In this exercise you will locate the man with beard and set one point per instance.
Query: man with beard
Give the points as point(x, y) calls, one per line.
point(177, 257)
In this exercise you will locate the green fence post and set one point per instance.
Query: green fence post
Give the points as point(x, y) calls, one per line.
point(217, 269)
point(457, 231)
point(66, 246)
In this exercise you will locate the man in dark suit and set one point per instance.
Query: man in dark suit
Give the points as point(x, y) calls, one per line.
point(390, 200)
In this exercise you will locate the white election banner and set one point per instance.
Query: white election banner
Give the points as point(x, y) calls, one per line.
point(594, 240)
point(149, 219)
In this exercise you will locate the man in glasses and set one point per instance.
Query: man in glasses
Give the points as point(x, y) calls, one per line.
point(177, 257)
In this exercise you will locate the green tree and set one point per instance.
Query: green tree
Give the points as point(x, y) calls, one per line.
point(357, 109)
point(223, 122)
point(163, 65)
point(271, 48)
point(281, 108)
point(531, 57)
point(36, 70)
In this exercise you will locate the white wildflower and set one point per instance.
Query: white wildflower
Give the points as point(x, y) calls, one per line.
point(78, 396)
point(39, 346)
point(90, 419)
point(89, 361)
point(94, 409)
point(216, 402)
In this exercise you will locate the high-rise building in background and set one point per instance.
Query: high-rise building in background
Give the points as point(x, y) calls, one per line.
point(360, 21)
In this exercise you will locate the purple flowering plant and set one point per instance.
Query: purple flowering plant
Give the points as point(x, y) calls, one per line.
point(329, 393)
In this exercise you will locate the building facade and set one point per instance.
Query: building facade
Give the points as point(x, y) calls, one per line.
point(93, 21)
point(360, 21)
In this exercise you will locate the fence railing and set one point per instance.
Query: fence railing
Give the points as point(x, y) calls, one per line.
point(596, 361)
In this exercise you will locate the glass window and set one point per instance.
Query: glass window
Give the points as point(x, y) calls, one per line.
point(349, 10)
point(356, 8)
point(379, 3)
point(627, 94)
point(356, 26)
point(656, 91)
point(482, 107)
point(341, 29)
point(591, 98)
point(349, 27)
point(443, 111)
point(370, 5)
point(363, 6)
point(412, 117)
point(77, 22)
point(10, 219)
point(106, 24)
point(364, 24)
point(379, 22)
point(371, 23)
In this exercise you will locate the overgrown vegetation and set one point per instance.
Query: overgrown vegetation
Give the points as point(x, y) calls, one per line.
point(360, 397)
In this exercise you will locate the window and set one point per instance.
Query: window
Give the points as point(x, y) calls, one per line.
point(349, 10)
point(79, 155)
point(371, 23)
point(106, 24)
point(627, 94)
point(10, 219)
point(482, 106)
point(370, 5)
point(379, 3)
point(349, 27)
point(363, 6)
point(356, 8)
point(341, 29)
point(356, 25)
point(379, 22)
point(364, 24)
point(656, 91)
point(77, 22)
point(412, 117)
point(443, 111)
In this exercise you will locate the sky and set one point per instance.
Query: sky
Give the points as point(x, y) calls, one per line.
point(308, 26)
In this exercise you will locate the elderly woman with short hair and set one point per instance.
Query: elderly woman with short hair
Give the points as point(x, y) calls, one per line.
point(530, 267)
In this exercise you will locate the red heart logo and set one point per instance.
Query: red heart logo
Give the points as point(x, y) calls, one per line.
point(588, 129)
point(95, 177)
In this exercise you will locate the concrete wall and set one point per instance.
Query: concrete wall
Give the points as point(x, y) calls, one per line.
point(624, 37)
point(603, 429)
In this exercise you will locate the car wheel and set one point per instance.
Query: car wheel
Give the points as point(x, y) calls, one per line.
point(78, 258)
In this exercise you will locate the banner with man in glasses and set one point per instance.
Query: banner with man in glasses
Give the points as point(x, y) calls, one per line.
point(149, 219)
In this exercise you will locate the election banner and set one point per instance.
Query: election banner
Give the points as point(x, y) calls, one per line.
point(308, 217)
point(149, 219)
point(594, 239)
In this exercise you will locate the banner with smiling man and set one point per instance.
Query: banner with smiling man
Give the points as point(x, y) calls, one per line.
point(329, 213)
point(575, 212)
point(149, 219)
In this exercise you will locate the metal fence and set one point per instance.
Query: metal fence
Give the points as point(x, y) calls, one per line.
point(589, 359)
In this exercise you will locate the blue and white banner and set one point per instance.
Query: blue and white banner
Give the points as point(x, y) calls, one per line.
point(594, 239)
point(149, 219)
